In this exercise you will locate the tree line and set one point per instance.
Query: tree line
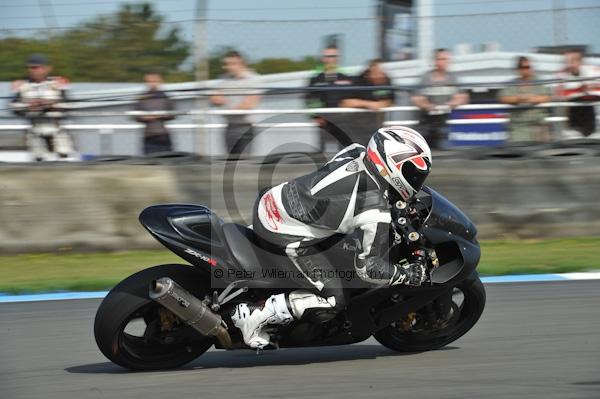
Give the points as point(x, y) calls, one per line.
point(121, 47)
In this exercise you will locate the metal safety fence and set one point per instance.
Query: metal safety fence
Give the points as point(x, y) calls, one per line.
point(191, 136)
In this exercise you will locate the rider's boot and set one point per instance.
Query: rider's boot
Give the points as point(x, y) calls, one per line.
point(278, 309)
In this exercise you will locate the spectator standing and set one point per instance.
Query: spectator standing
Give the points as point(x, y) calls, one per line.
point(40, 99)
point(580, 118)
point(236, 81)
point(160, 109)
point(526, 121)
point(330, 77)
point(375, 93)
point(437, 95)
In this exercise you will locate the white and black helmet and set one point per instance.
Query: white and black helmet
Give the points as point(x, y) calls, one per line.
point(401, 157)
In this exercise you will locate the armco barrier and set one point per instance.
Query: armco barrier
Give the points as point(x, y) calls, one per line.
point(95, 205)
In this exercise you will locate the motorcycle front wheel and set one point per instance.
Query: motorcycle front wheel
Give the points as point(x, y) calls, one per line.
point(439, 323)
point(137, 333)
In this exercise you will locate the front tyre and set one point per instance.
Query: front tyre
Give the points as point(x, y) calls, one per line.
point(135, 332)
point(439, 323)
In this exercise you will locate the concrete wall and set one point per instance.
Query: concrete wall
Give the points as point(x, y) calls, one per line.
point(95, 206)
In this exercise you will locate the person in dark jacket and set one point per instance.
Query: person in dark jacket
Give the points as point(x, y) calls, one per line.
point(319, 96)
point(156, 108)
point(374, 93)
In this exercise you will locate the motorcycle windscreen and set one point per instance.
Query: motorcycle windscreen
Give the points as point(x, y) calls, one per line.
point(453, 236)
point(446, 220)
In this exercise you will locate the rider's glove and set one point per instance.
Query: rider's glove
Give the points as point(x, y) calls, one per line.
point(413, 274)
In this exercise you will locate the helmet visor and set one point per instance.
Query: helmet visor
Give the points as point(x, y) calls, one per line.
point(414, 176)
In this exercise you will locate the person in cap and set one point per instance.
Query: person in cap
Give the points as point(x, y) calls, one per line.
point(40, 99)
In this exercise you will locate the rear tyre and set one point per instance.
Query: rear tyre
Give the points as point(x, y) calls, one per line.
point(135, 332)
point(426, 330)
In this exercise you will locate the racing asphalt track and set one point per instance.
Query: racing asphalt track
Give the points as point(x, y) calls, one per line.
point(535, 340)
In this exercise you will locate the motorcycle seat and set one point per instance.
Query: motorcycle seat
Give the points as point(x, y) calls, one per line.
point(244, 247)
point(248, 250)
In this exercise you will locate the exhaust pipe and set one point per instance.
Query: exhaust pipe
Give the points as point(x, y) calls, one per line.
point(190, 309)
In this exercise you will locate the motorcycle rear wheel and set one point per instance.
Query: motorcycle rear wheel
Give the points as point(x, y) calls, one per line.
point(130, 327)
point(419, 334)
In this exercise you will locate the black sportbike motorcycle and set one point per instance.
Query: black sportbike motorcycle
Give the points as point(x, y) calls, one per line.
point(167, 315)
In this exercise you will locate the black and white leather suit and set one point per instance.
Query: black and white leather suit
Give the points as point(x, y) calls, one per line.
point(343, 196)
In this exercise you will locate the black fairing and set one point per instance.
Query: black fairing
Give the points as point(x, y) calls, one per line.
point(193, 232)
point(452, 234)
point(200, 237)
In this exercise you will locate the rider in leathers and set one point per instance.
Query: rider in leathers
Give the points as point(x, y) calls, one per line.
point(350, 193)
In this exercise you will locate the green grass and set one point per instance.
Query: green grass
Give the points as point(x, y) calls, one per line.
point(74, 271)
point(100, 271)
point(540, 256)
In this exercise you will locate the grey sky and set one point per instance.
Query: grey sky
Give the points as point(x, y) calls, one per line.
point(510, 23)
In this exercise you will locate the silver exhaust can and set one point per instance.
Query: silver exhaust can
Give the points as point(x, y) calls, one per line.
point(190, 309)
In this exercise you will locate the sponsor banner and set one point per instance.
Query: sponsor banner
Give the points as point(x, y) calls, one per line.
point(479, 134)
